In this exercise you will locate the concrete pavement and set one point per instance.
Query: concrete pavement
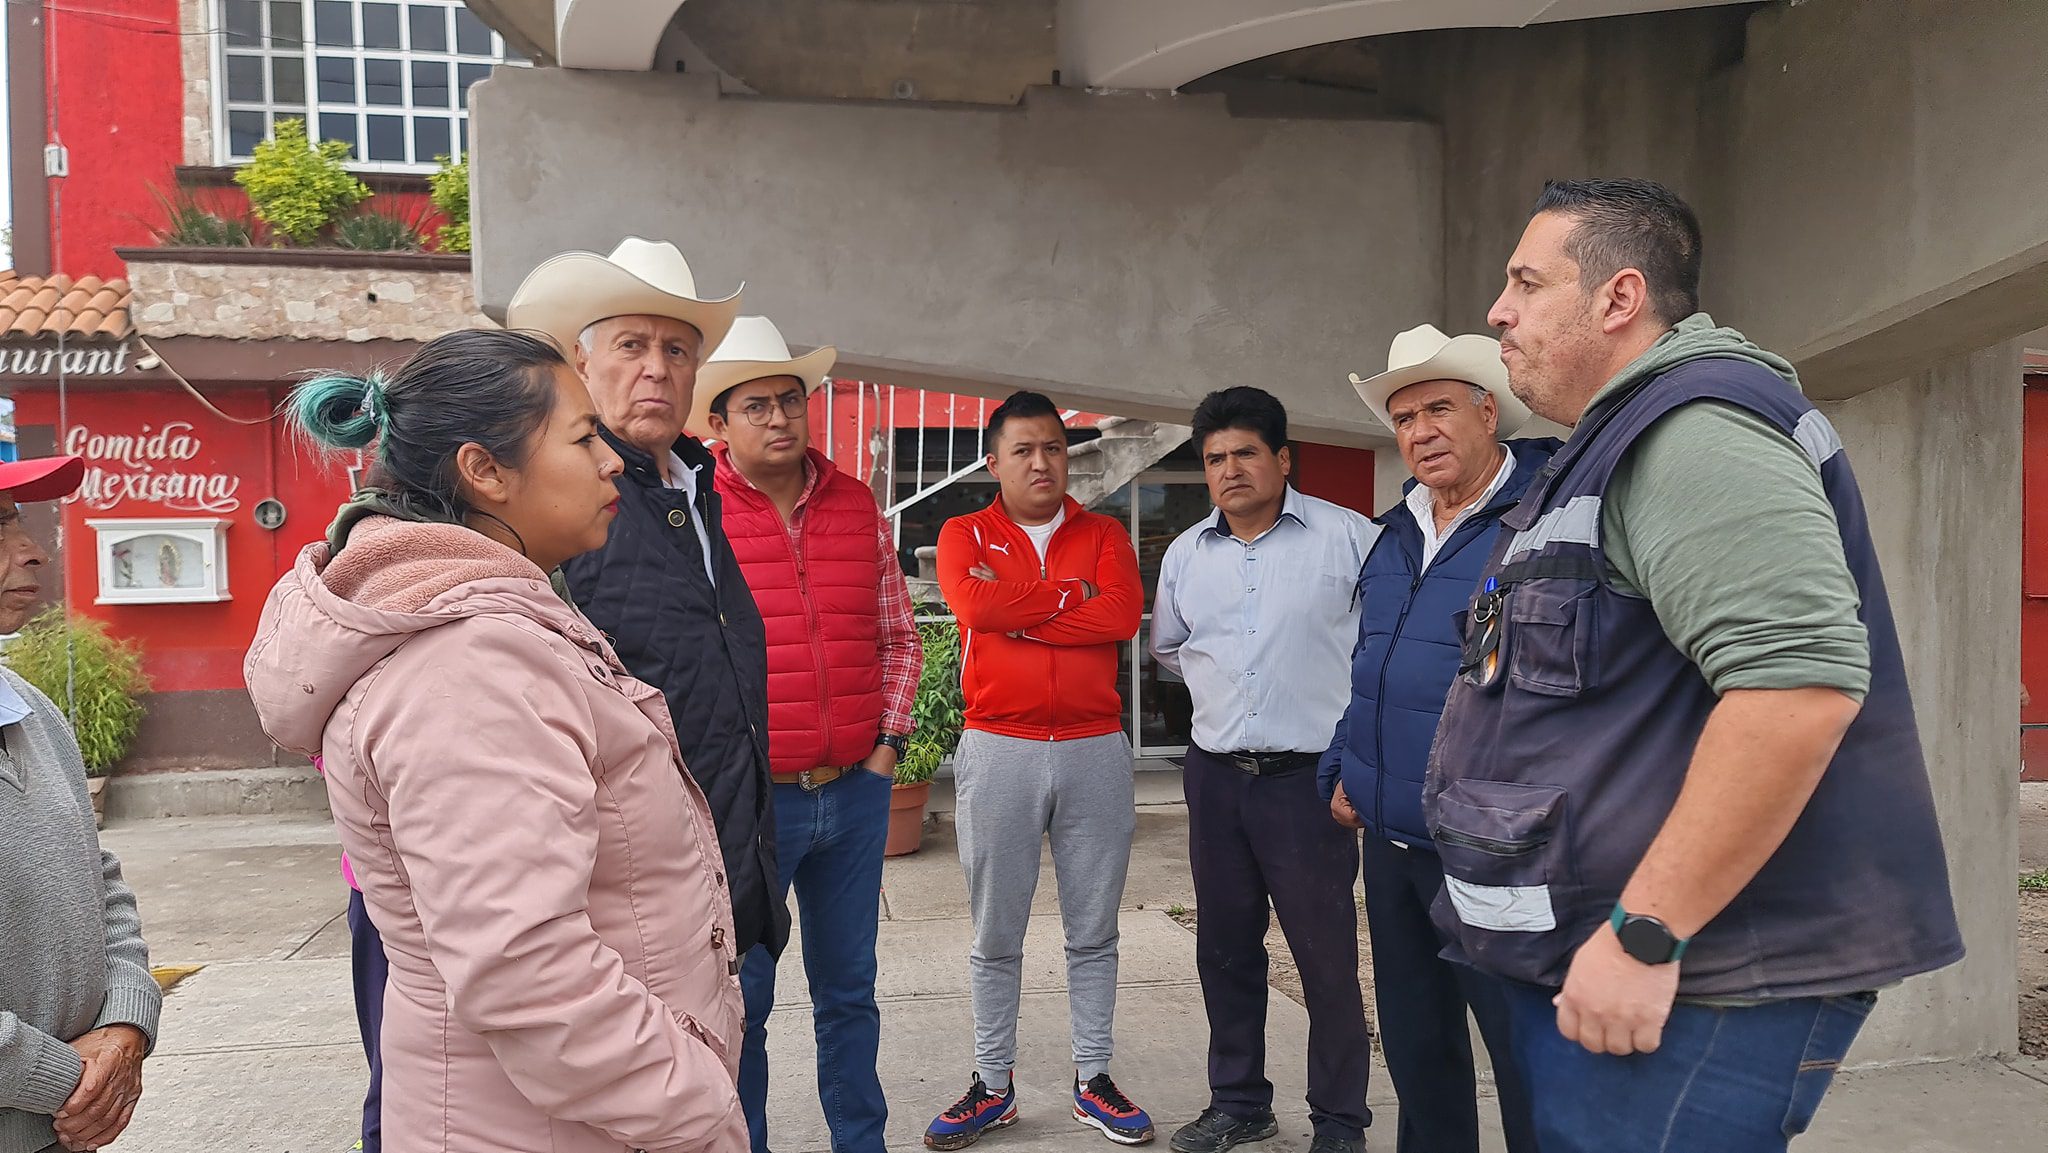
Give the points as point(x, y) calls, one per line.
point(259, 1051)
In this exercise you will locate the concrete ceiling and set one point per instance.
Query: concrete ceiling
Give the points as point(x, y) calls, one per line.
point(867, 49)
point(1168, 43)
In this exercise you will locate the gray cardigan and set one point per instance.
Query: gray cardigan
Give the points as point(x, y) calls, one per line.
point(71, 953)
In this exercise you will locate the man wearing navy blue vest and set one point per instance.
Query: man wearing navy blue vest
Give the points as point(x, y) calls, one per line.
point(1677, 786)
point(1447, 402)
point(1255, 610)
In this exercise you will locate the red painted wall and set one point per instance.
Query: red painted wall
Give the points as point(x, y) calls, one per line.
point(115, 95)
point(1336, 474)
point(2034, 581)
point(190, 646)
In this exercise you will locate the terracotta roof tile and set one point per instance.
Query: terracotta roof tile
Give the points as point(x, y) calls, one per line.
point(88, 308)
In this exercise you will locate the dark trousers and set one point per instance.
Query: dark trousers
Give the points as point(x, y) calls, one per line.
point(1422, 1000)
point(366, 965)
point(1268, 841)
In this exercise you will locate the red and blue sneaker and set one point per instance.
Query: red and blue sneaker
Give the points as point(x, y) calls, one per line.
point(972, 1115)
point(1099, 1104)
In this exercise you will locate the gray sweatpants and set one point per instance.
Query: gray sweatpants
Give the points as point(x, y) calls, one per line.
point(1011, 794)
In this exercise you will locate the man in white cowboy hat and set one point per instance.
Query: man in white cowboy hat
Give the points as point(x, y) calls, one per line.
point(822, 563)
point(666, 587)
point(1446, 401)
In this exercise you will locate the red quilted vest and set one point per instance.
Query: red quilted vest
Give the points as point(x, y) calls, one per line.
point(821, 606)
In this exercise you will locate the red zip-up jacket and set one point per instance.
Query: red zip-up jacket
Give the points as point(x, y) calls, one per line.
point(1038, 655)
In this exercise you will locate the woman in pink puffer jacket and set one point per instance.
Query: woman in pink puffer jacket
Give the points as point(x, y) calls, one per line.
point(543, 871)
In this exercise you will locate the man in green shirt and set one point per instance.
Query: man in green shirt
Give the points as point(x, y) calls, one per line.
point(1677, 783)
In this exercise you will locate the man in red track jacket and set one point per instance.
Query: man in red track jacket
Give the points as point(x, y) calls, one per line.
point(1046, 593)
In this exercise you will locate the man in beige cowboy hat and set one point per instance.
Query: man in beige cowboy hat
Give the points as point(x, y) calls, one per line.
point(666, 587)
point(821, 560)
point(1446, 400)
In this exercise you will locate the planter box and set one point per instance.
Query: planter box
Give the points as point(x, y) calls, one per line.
point(299, 293)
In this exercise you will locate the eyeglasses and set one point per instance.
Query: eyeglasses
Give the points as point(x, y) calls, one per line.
point(794, 406)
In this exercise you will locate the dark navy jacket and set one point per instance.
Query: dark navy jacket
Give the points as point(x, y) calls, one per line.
point(1407, 653)
point(1563, 751)
point(705, 649)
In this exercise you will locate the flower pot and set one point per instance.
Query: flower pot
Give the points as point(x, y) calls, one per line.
point(96, 788)
point(906, 818)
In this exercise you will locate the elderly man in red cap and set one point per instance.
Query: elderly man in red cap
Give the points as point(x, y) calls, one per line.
point(78, 1007)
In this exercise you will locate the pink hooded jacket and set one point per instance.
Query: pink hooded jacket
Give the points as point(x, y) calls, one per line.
point(543, 872)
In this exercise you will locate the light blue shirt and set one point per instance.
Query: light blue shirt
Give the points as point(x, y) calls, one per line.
point(1262, 630)
point(14, 708)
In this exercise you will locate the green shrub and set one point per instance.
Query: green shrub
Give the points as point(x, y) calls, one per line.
point(191, 221)
point(373, 230)
point(105, 673)
point(939, 710)
point(450, 184)
point(297, 187)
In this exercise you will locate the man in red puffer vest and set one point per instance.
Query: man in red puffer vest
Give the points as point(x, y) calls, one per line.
point(843, 666)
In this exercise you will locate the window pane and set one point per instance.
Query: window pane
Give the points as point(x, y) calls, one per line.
point(387, 138)
point(462, 136)
point(472, 38)
point(245, 23)
point(245, 79)
point(429, 84)
point(287, 23)
point(337, 80)
point(468, 74)
point(287, 80)
point(340, 126)
point(429, 27)
point(245, 131)
point(383, 82)
point(430, 139)
point(333, 23)
point(380, 26)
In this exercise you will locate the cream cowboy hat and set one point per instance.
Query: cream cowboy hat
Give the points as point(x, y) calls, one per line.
point(753, 350)
point(1423, 353)
point(570, 292)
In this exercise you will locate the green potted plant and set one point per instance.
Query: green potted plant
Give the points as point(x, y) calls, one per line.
point(297, 187)
point(938, 715)
point(75, 659)
point(450, 184)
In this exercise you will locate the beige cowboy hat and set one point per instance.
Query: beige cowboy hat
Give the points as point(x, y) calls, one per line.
point(1423, 353)
point(570, 292)
point(753, 350)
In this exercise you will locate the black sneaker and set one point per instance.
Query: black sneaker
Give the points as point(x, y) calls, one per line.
point(1328, 1144)
point(1214, 1131)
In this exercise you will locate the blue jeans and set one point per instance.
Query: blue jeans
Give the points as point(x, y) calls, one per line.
point(1742, 1080)
point(828, 844)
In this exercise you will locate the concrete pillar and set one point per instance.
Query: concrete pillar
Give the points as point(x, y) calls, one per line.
point(1938, 459)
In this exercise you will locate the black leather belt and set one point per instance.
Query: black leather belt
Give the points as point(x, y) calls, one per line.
point(1268, 764)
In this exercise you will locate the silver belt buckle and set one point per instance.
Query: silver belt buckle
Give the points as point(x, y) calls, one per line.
point(1246, 763)
point(803, 780)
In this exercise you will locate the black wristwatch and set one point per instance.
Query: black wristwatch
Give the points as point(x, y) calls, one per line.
point(1645, 938)
point(896, 741)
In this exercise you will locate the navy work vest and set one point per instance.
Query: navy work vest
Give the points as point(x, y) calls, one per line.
point(1548, 784)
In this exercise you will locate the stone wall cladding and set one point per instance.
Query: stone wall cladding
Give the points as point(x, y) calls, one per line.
point(270, 301)
point(197, 51)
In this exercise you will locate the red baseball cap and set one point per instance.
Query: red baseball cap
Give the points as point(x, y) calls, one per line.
point(44, 478)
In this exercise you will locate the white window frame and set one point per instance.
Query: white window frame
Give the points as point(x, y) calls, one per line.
point(210, 534)
point(308, 51)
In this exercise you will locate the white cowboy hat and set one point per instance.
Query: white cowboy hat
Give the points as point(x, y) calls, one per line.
point(570, 292)
point(753, 350)
point(1424, 353)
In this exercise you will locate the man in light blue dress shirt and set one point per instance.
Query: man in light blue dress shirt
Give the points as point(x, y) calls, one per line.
point(1256, 611)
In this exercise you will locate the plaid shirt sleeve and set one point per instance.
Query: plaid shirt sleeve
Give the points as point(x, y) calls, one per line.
point(902, 650)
